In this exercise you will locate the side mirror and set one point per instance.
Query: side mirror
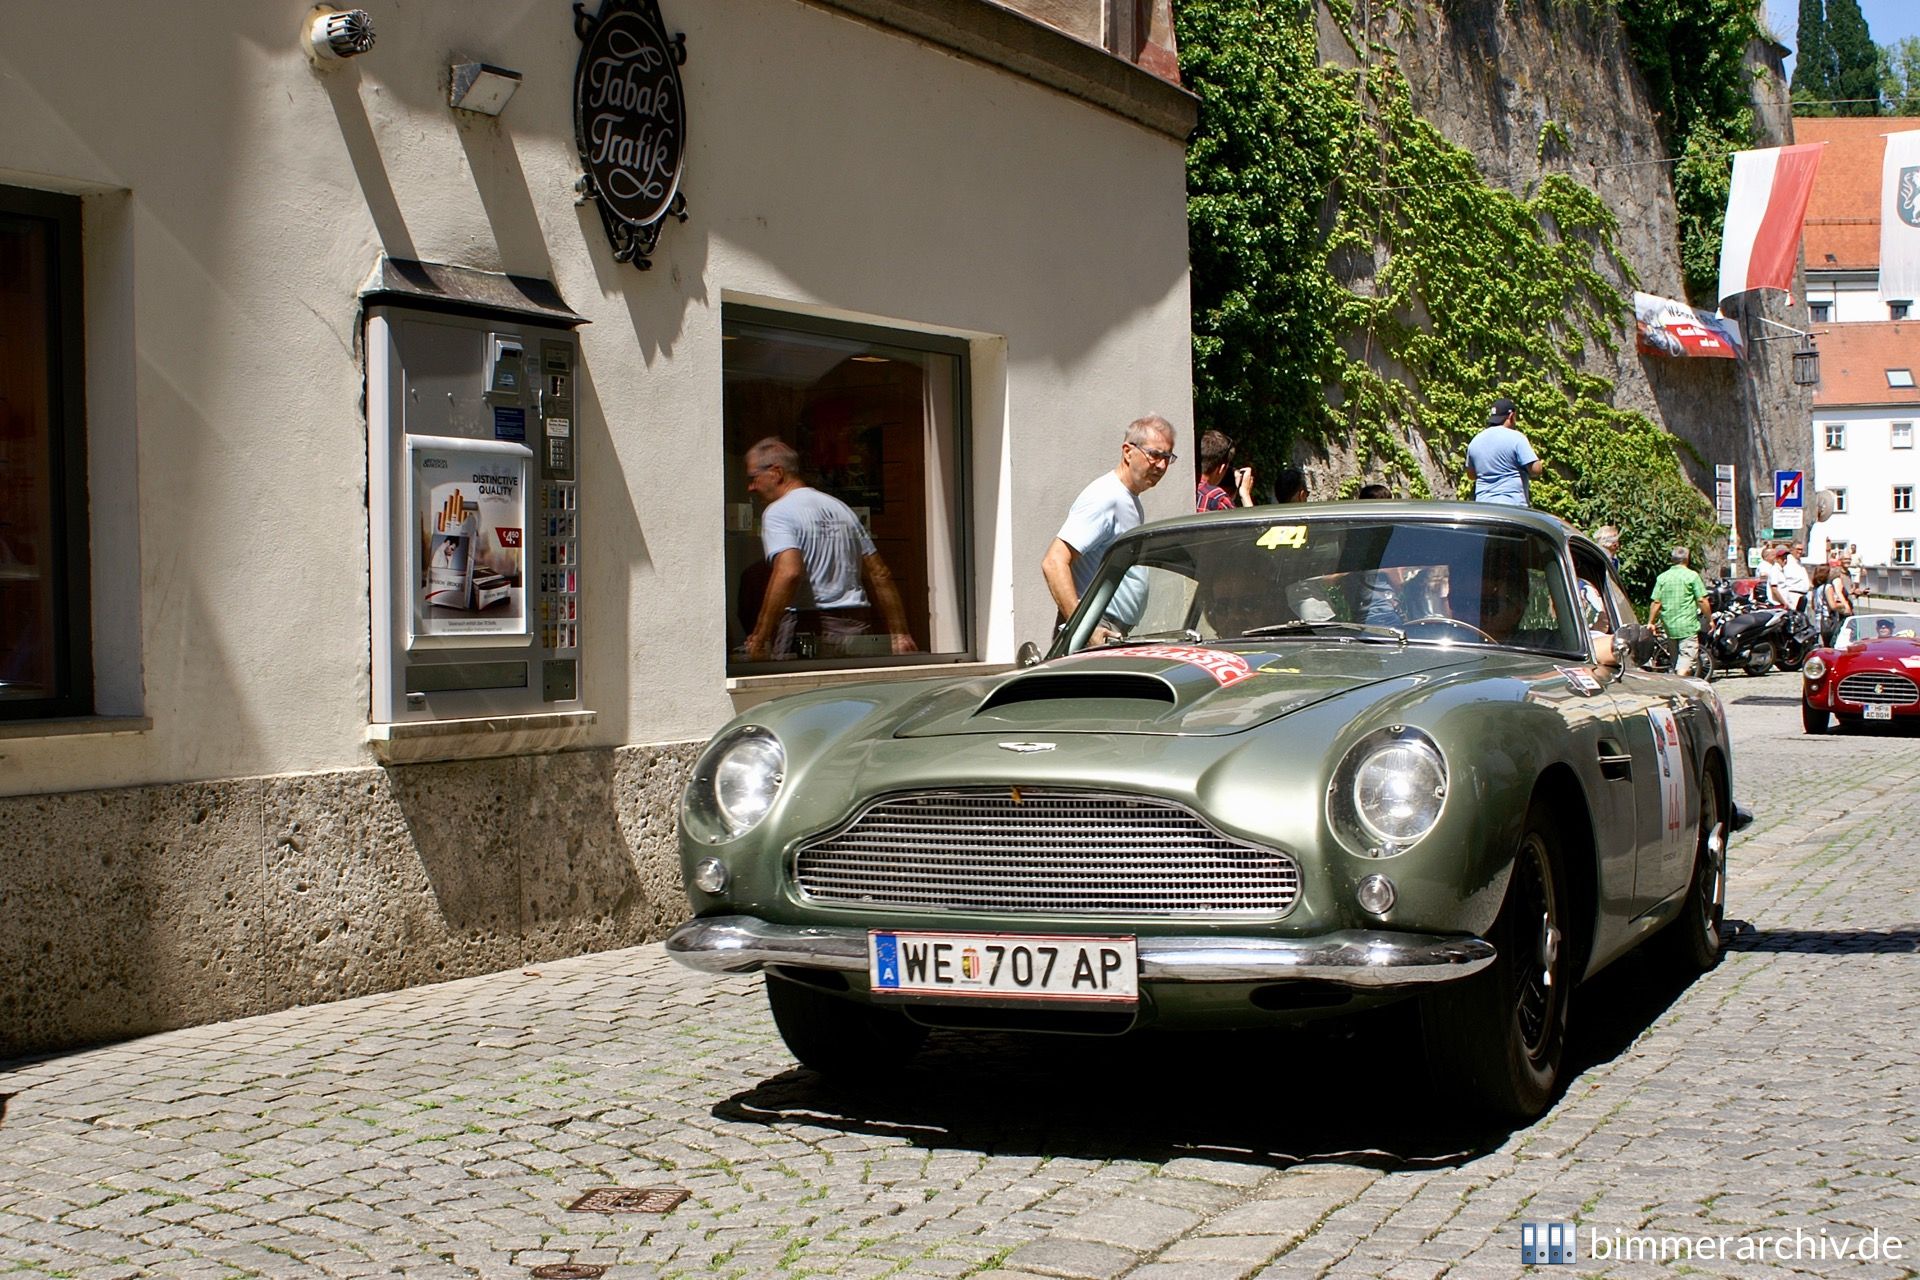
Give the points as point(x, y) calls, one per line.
point(1638, 640)
point(1029, 654)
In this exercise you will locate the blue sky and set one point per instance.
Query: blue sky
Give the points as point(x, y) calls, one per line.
point(1888, 20)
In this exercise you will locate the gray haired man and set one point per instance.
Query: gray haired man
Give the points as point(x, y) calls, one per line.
point(1680, 605)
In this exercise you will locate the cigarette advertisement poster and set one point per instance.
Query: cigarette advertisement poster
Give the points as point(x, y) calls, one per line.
point(470, 516)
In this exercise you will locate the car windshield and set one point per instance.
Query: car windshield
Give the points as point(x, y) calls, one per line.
point(1350, 578)
point(1880, 626)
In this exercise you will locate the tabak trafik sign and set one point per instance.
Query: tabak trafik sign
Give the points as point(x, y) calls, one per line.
point(629, 122)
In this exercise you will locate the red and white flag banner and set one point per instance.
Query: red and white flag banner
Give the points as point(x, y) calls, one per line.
point(1766, 210)
point(1900, 218)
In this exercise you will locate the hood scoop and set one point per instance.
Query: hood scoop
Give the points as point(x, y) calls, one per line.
point(1053, 686)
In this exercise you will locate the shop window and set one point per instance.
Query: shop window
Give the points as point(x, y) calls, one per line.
point(1903, 497)
point(1822, 311)
point(1839, 502)
point(45, 658)
point(1902, 435)
point(1836, 435)
point(1903, 551)
point(877, 421)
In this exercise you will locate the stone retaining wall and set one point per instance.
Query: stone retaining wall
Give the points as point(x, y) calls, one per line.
point(145, 908)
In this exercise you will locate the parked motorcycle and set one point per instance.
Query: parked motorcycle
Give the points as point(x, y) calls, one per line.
point(1755, 638)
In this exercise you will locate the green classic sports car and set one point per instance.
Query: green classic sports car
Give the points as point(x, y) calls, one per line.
point(1280, 763)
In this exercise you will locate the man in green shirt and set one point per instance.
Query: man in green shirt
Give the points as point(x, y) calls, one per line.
point(1680, 606)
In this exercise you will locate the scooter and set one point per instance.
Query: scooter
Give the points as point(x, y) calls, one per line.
point(1754, 638)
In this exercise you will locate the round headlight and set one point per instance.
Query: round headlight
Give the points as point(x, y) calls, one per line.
point(1398, 788)
point(1814, 668)
point(734, 784)
point(746, 778)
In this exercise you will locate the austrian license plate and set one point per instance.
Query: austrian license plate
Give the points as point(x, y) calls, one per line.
point(1003, 966)
point(1879, 711)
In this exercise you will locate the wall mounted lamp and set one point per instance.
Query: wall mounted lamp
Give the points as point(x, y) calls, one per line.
point(334, 35)
point(480, 87)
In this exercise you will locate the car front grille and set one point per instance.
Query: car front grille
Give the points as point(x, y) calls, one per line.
point(1879, 687)
point(1043, 853)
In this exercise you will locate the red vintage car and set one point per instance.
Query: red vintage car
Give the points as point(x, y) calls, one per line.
point(1870, 675)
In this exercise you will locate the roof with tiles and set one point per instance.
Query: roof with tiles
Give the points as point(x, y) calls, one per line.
point(1843, 213)
point(1854, 359)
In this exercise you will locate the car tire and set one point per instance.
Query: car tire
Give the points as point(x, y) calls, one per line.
point(1692, 942)
point(1814, 720)
point(1497, 1040)
point(840, 1037)
point(1759, 659)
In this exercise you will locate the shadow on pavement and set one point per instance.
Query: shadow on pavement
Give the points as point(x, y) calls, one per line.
point(1900, 940)
point(1350, 1092)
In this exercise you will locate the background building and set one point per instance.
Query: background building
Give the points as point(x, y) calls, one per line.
point(938, 246)
point(1866, 404)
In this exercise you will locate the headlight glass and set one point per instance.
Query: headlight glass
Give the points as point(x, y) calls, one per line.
point(1814, 668)
point(735, 784)
point(1396, 785)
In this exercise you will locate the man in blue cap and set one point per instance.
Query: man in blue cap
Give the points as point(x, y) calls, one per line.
point(1499, 459)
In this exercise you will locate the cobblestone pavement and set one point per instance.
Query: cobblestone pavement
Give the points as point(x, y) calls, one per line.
point(444, 1131)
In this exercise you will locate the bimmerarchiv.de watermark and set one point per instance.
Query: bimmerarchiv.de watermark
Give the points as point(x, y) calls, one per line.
point(1555, 1243)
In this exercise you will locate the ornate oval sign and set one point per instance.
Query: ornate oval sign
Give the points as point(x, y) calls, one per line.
point(629, 120)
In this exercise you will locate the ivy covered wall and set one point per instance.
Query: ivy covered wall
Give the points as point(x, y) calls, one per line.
point(1364, 284)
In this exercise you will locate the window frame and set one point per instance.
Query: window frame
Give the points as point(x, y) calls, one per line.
point(1900, 435)
point(1902, 498)
point(66, 460)
point(1899, 310)
point(1834, 436)
point(1900, 377)
point(1902, 551)
point(934, 343)
point(1821, 312)
point(1839, 502)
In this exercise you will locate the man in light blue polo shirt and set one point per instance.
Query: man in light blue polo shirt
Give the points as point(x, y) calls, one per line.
point(1499, 459)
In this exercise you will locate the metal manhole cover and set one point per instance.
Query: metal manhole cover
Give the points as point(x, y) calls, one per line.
point(629, 1200)
point(569, 1271)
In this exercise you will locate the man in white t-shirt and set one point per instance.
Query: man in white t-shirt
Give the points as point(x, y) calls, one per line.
point(1105, 509)
point(824, 569)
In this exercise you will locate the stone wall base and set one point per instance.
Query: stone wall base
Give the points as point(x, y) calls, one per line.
point(141, 909)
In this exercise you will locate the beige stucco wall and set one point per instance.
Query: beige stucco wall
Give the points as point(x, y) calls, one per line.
point(236, 200)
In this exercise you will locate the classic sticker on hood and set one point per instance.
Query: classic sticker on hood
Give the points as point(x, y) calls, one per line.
point(1225, 668)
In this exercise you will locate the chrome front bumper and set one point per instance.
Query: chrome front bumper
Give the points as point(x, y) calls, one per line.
point(1354, 958)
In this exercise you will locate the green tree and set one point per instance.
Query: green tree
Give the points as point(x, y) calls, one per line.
point(1856, 61)
point(1900, 77)
point(1356, 279)
point(1692, 54)
point(1813, 65)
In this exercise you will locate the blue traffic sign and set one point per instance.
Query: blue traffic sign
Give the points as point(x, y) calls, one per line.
point(1787, 489)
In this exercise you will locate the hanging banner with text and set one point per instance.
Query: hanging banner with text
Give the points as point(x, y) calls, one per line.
point(1665, 327)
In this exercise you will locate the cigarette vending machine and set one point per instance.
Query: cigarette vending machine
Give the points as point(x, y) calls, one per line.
point(474, 515)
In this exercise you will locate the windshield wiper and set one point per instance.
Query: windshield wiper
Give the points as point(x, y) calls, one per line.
point(1376, 632)
point(1187, 634)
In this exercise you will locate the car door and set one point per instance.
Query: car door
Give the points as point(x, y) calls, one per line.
point(1604, 740)
point(1655, 714)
